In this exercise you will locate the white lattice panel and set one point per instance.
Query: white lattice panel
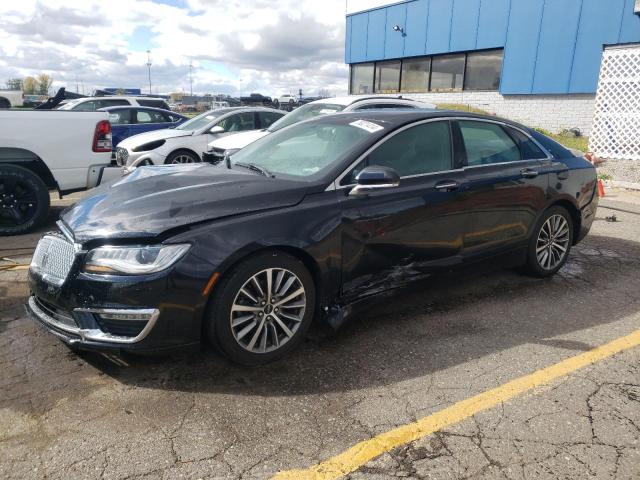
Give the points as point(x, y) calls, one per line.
point(616, 127)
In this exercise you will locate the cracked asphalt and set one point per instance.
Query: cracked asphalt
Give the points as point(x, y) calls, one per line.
point(68, 416)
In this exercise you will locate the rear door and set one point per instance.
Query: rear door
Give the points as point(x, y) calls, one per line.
point(506, 185)
point(120, 125)
point(396, 233)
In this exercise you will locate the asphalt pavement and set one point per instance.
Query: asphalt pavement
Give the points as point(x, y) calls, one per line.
point(429, 347)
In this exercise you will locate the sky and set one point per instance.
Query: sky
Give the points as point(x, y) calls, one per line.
point(236, 47)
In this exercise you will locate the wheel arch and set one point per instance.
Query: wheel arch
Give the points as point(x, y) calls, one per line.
point(26, 159)
point(183, 149)
point(573, 210)
point(5, 102)
point(297, 252)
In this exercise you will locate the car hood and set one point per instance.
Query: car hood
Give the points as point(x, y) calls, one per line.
point(152, 200)
point(147, 137)
point(238, 140)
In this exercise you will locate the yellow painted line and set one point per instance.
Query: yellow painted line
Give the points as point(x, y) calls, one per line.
point(358, 455)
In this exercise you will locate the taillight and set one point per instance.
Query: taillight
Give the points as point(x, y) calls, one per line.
point(102, 137)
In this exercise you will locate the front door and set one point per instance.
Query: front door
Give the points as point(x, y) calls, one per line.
point(402, 232)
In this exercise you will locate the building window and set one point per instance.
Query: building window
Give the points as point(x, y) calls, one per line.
point(447, 72)
point(415, 75)
point(388, 76)
point(483, 70)
point(362, 78)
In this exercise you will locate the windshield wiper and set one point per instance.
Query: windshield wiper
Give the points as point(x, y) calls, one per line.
point(255, 168)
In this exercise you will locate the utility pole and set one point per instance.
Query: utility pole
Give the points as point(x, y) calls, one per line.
point(149, 68)
point(191, 76)
point(77, 91)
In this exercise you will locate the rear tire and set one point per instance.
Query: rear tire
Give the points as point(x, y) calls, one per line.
point(24, 200)
point(181, 156)
point(550, 243)
point(251, 326)
point(4, 103)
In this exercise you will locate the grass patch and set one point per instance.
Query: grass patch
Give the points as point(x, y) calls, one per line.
point(462, 108)
point(570, 141)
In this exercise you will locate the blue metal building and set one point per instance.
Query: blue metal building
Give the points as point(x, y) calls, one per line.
point(513, 47)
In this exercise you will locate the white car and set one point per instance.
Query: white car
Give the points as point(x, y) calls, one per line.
point(92, 104)
point(287, 99)
point(217, 148)
point(185, 143)
point(11, 98)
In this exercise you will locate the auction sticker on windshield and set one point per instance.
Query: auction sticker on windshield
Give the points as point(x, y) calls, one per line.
point(368, 126)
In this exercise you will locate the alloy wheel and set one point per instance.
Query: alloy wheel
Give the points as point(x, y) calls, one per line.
point(268, 310)
point(18, 202)
point(553, 242)
point(183, 159)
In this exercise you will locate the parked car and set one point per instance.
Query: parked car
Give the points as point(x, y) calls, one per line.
point(129, 121)
point(306, 222)
point(256, 98)
point(217, 149)
point(185, 143)
point(10, 98)
point(287, 99)
point(92, 104)
point(48, 150)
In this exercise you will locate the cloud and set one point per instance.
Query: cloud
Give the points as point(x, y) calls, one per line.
point(236, 47)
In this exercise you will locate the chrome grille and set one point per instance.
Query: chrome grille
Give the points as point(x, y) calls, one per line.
point(122, 154)
point(53, 259)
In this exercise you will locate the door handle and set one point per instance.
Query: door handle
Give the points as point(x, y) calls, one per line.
point(529, 173)
point(447, 186)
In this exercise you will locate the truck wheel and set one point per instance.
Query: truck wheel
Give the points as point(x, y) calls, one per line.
point(4, 103)
point(24, 200)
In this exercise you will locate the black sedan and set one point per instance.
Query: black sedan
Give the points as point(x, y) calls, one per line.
point(304, 224)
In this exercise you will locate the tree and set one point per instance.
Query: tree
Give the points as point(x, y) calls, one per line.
point(29, 85)
point(14, 84)
point(44, 83)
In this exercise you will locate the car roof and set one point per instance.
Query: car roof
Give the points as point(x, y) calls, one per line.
point(247, 109)
point(393, 118)
point(120, 97)
point(136, 107)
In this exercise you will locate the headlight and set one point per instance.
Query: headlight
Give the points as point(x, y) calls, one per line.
point(149, 146)
point(133, 260)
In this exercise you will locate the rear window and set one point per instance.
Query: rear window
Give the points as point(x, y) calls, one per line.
point(557, 150)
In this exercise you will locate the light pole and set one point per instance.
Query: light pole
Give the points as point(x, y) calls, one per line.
point(149, 68)
point(191, 76)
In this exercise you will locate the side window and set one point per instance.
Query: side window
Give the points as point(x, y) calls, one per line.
point(528, 148)
point(377, 106)
point(239, 122)
point(90, 106)
point(425, 148)
point(153, 103)
point(268, 118)
point(113, 103)
point(119, 117)
point(487, 143)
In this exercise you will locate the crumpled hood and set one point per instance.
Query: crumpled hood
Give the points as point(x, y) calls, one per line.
point(147, 137)
point(237, 140)
point(155, 199)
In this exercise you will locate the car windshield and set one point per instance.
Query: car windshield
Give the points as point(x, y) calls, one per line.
point(305, 149)
point(201, 120)
point(306, 112)
point(68, 105)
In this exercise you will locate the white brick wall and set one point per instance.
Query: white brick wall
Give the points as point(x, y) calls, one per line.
point(551, 112)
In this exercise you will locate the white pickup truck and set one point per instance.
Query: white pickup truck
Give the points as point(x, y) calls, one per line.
point(11, 98)
point(48, 150)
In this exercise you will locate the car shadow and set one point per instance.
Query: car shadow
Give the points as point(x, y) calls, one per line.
point(430, 326)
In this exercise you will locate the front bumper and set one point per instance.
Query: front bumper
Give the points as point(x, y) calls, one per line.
point(147, 314)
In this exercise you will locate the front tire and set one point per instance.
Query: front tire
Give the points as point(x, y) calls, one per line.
point(181, 156)
point(262, 309)
point(550, 243)
point(24, 200)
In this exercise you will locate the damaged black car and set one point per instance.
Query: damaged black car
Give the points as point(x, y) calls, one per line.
point(302, 225)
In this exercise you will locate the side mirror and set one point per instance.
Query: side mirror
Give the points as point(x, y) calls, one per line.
point(374, 178)
point(216, 129)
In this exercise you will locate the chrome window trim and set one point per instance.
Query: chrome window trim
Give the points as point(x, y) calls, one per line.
point(96, 335)
point(335, 185)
